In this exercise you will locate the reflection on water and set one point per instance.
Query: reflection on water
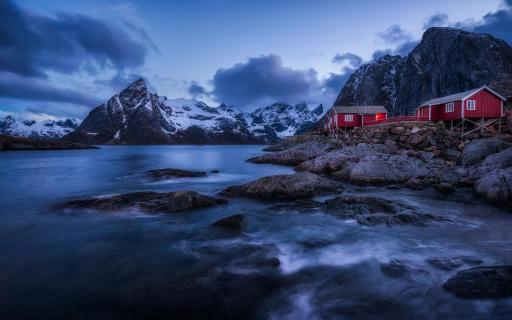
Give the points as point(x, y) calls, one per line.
point(85, 264)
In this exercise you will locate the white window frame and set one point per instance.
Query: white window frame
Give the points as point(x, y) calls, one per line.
point(349, 118)
point(471, 106)
point(449, 107)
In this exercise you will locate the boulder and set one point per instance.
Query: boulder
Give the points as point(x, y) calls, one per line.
point(170, 202)
point(162, 174)
point(284, 186)
point(500, 160)
point(496, 186)
point(477, 150)
point(445, 187)
point(397, 131)
point(294, 155)
point(490, 282)
point(234, 222)
point(386, 169)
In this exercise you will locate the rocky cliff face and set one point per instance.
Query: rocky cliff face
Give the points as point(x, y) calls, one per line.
point(446, 61)
point(137, 116)
point(39, 130)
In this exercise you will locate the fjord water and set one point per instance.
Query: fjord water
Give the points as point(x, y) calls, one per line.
point(84, 264)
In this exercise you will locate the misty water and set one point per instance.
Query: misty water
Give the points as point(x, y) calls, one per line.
point(84, 264)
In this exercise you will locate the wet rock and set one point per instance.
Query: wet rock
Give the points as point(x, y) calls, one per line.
point(415, 184)
point(371, 211)
point(215, 171)
point(452, 153)
point(477, 150)
point(397, 131)
point(394, 269)
point(170, 202)
point(234, 222)
point(448, 264)
point(161, 174)
point(294, 155)
point(496, 186)
point(415, 139)
point(285, 187)
point(386, 169)
point(445, 187)
point(490, 282)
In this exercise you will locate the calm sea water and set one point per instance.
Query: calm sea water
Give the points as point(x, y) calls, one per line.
point(83, 264)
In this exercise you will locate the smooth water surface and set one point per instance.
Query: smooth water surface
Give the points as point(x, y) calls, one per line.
point(84, 264)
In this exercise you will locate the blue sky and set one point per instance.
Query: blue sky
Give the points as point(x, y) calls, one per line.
point(62, 57)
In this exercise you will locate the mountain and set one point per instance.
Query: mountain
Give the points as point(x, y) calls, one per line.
point(39, 130)
point(446, 61)
point(138, 116)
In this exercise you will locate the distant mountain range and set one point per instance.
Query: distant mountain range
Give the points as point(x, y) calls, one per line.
point(138, 116)
point(47, 129)
point(446, 61)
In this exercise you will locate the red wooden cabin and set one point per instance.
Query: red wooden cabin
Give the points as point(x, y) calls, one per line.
point(342, 117)
point(481, 103)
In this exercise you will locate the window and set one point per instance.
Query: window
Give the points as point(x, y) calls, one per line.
point(449, 107)
point(471, 105)
point(349, 118)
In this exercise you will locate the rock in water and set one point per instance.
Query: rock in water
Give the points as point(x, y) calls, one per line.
point(170, 202)
point(481, 283)
point(160, 174)
point(235, 222)
point(447, 264)
point(284, 187)
point(478, 150)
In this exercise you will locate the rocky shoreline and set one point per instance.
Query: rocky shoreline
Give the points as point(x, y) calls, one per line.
point(8, 143)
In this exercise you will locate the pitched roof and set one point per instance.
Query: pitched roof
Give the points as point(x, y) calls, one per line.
point(360, 109)
point(459, 96)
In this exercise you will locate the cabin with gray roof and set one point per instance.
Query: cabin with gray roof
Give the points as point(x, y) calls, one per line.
point(343, 117)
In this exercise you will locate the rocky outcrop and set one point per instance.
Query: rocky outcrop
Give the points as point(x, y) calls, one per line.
point(170, 202)
point(162, 174)
point(284, 187)
point(491, 282)
point(235, 222)
point(401, 84)
point(294, 155)
point(19, 144)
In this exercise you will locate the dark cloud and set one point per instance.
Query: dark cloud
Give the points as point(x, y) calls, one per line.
point(196, 90)
point(32, 45)
point(351, 59)
point(499, 23)
point(119, 81)
point(437, 20)
point(395, 34)
point(13, 86)
point(264, 78)
point(335, 82)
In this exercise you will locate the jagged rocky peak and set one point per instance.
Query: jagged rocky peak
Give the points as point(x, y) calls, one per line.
point(446, 61)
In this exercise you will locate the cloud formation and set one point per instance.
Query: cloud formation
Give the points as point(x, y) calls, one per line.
point(262, 80)
point(32, 45)
point(499, 23)
point(348, 58)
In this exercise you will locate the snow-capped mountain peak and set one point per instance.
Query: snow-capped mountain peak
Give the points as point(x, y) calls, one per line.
point(46, 129)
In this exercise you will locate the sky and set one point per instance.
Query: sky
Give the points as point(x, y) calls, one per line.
point(61, 58)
